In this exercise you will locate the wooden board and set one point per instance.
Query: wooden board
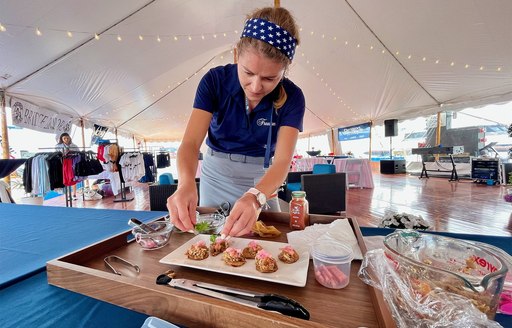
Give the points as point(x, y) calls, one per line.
point(85, 272)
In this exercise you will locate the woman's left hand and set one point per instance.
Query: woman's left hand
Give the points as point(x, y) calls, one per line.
point(243, 216)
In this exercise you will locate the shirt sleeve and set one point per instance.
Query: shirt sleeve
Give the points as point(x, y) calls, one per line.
point(205, 95)
point(293, 110)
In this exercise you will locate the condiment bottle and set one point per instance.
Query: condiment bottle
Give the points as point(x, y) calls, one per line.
point(299, 211)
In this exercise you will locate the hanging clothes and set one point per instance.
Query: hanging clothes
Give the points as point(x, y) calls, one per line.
point(149, 167)
point(132, 166)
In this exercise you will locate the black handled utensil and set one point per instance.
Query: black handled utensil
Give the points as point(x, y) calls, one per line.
point(269, 302)
point(142, 226)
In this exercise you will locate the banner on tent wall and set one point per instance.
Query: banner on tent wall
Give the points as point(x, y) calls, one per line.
point(354, 132)
point(27, 115)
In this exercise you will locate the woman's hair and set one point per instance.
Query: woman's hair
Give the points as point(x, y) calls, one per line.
point(284, 19)
point(65, 134)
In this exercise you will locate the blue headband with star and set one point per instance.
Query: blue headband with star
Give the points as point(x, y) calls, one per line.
point(272, 34)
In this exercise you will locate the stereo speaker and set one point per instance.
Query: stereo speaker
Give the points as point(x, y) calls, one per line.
point(390, 128)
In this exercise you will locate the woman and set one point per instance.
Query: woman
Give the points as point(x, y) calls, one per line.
point(251, 113)
point(66, 145)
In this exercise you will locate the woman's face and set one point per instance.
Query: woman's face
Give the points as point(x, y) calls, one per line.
point(258, 74)
point(66, 139)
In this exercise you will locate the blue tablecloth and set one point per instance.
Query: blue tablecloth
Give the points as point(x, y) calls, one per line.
point(32, 235)
point(7, 166)
point(504, 243)
point(33, 303)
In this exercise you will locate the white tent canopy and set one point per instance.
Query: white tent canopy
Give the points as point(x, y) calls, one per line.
point(359, 61)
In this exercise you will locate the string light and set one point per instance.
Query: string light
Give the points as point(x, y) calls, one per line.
point(204, 36)
point(409, 56)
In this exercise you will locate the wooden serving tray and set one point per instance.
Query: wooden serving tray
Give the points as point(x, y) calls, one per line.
point(84, 271)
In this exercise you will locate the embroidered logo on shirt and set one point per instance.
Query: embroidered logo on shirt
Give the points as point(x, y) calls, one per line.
point(264, 122)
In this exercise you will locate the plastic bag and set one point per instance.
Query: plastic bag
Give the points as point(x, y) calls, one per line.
point(413, 303)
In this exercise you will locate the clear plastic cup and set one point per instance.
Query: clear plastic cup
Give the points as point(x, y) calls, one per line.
point(331, 262)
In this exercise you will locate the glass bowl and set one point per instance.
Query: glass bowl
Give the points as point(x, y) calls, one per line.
point(154, 240)
point(207, 224)
point(457, 266)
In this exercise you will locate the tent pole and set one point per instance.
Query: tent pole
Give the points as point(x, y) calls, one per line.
point(438, 133)
point(5, 135)
point(370, 144)
point(83, 145)
point(3, 119)
point(83, 132)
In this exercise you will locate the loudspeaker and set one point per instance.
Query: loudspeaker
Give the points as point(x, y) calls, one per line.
point(390, 128)
point(395, 166)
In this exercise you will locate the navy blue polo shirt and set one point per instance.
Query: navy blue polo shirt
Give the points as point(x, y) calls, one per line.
point(231, 129)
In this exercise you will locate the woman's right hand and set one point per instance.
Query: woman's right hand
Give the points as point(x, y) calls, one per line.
point(182, 207)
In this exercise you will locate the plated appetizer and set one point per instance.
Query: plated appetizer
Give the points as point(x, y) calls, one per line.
point(288, 255)
point(265, 263)
point(252, 248)
point(233, 257)
point(197, 251)
point(218, 245)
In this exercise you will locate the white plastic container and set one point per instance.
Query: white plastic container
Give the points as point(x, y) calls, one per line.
point(331, 261)
point(154, 322)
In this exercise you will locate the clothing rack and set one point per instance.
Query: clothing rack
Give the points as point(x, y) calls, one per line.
point(124, 197)
point(68, 190)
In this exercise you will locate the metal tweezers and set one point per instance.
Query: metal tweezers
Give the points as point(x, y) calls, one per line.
point(269, 302)
point(115, 258)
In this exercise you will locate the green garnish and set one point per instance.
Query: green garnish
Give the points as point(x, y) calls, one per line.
point(213, 238)
point(202, 227)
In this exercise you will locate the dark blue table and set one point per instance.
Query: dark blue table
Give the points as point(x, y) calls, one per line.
point(32, 235)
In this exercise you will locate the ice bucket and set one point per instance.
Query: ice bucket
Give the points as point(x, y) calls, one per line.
point(431, 262)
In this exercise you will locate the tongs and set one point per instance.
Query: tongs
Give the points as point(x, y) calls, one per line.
point(269, 302)
point(224, 209)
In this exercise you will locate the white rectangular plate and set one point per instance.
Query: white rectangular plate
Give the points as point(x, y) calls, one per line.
point(294, 274)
